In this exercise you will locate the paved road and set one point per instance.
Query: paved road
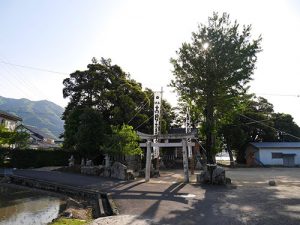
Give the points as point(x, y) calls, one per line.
point(249, 200)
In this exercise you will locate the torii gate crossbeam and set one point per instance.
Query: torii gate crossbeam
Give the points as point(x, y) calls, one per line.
point(184, 144)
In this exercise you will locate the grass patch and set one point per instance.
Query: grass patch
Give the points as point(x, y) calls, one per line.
point(67, 221)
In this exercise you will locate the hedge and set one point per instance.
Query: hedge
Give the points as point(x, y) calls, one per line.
point(35, 158)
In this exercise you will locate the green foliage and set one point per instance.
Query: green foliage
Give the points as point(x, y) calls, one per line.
point(85, 131)
point(68, 221)
point(112, 98)
point(286, 124)
point(167, 115)
point(6, 136)
point(100, 97)
point(90, 133)
point(106, 88)
point(211, 72)
point(124, 140)
point(257, 122)
point(21, 139)
point(44, 115)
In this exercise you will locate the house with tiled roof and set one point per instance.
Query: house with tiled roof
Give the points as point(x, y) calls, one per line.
point(38, 138)
point(9, 120)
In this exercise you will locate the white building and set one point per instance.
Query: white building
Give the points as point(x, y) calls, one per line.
point(38, 139)
point(9, 121)
point(273, 153)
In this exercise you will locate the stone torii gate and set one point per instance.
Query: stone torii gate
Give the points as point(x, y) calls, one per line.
point(150, 144)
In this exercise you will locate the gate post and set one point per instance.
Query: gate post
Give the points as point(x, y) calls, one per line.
point(185, 161)
point(148, 161)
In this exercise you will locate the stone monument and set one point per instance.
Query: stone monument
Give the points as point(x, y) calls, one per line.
point(71, 161)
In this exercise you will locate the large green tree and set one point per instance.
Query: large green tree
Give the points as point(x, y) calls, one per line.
point(91, 132)
point(99, 97)
point(287, 129)
point(117, 99)
point(257, 122)
point(212, 71)
point(253, 123)
point(108, 89)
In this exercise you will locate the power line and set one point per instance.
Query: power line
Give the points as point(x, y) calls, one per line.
point(144, 122)
point(280, 95)
point(19, 79)
point(270, 126)
point(8, 78)
point(139, 109)
point(259, 121)
point(265, 119)
point(33, 68)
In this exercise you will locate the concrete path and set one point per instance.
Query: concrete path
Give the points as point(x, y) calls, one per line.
point(165, 200)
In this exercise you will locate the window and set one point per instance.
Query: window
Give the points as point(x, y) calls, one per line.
point(276, 155)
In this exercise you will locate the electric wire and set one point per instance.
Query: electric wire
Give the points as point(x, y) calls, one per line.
point(258, 120)
point(14, 82)
point(32, 68)
point(270, 127)
point(144, 122)
point(18, 75)
point(140, 108)
point(280, 95)
point(9, 82)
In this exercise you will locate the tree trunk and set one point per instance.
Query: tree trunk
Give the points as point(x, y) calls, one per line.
point(230, 156)
point(193, 162)
point(209, 143)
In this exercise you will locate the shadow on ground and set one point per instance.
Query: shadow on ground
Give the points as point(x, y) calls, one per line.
point(186, 204)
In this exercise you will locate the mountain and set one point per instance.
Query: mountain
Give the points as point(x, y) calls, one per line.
point(44, 115)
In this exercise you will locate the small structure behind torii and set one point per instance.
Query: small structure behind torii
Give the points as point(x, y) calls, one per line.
point(184, 144)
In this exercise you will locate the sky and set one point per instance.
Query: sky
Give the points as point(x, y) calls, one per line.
point(140, 36)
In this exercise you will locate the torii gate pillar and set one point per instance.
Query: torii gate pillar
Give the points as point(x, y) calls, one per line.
point(185, 161)
point(148, 161)
point(184, 144)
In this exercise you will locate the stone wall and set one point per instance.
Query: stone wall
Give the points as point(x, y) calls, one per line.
point(117, 170)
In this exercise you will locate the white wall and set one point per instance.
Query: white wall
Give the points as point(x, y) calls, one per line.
point(9, 124)
point(265, 155)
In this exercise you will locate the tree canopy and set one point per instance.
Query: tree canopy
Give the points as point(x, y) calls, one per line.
point(102, 98)
point(213, 70)
point(258, 122)
point(106, 88)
